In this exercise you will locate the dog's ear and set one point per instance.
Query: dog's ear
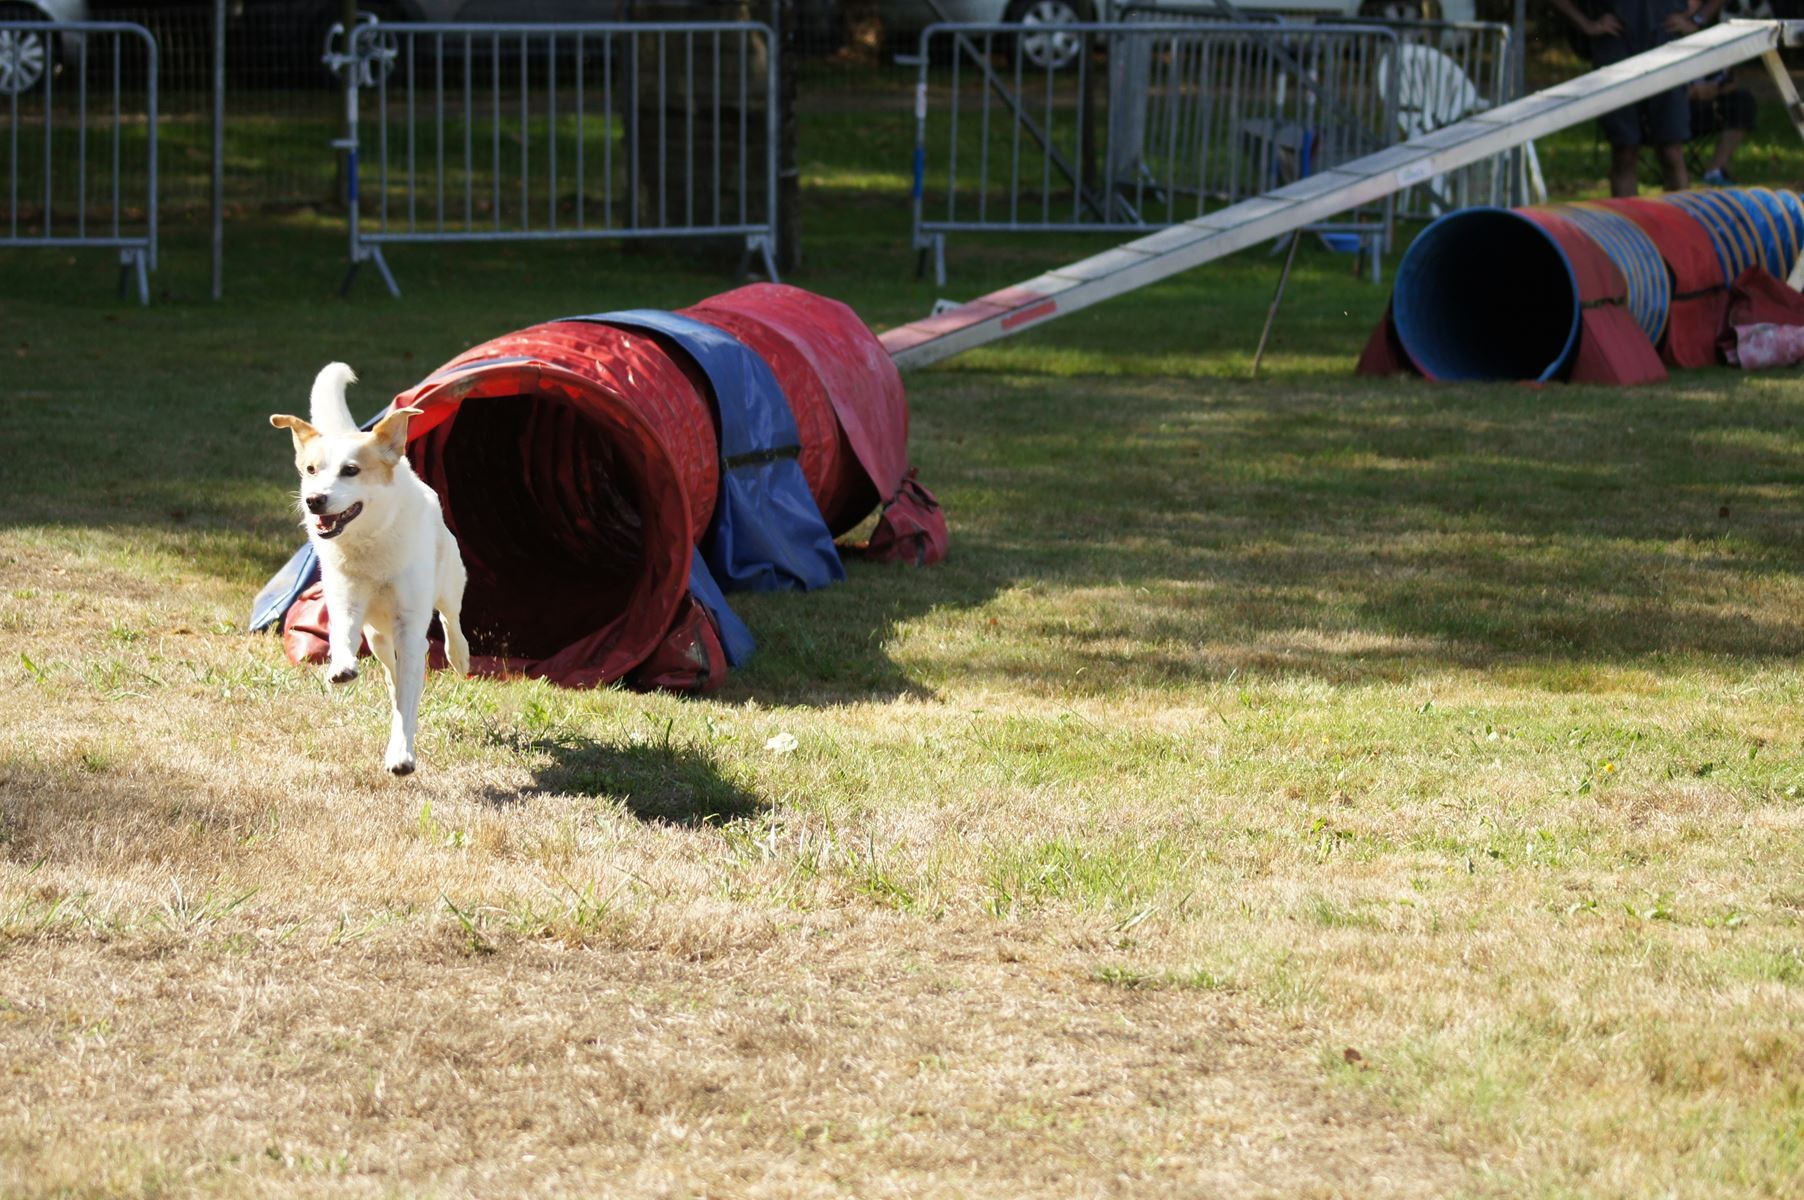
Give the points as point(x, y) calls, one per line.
point(390, 433)
point(303, 432)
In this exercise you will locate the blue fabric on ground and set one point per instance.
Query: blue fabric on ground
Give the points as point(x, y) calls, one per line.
point(767, 533)
point(284, 587)
point(735, 638)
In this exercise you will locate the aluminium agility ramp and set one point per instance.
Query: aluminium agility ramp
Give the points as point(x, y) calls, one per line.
point(1352, 184)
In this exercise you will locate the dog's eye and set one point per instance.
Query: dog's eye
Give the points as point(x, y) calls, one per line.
point(348, 470)
point(310, 468)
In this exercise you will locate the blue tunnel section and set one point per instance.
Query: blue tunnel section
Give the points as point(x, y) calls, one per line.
point(1486, 293)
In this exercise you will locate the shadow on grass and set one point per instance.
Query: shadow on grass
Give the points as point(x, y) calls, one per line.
point(1359, 529)
point(678, 785)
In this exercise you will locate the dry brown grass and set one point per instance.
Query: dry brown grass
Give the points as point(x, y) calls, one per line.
point(238, 960)
point(1248, 726)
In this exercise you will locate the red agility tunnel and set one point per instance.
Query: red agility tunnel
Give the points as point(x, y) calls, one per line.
point(580, 464)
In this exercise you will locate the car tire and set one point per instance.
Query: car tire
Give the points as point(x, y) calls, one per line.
point(26, 56)
point(1048, 51)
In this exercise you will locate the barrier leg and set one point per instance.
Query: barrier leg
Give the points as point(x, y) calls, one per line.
point(388, 277)
point(761, 245)
point(131, 262)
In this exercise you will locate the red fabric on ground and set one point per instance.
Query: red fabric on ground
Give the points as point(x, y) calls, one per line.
point(911, 530)
point(1757, 298)
point(689, 659)
point(1383, 353)
point(304, 633)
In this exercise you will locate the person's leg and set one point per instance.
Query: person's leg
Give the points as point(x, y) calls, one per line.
point(1727, 143)
point(1735, 114)
point(1669, 128)
point(1622, 129)
point(1624, 161)
point(1703, 125)
point(1673, 174)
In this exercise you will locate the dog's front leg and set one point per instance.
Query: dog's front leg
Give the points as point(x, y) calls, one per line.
point(344, 633)
point(407, 676)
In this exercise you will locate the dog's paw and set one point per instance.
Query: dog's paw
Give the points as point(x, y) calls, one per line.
point(400, 765)
point(340, 674)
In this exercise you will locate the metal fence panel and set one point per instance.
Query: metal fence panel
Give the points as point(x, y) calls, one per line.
point(78, 127)
point(1154, 123)
point(1446, 71)
point(515, 132)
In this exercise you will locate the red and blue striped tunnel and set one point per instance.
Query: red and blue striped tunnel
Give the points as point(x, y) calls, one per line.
point(1524, 294)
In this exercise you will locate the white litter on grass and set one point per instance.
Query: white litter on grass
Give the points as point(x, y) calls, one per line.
point(782, 743)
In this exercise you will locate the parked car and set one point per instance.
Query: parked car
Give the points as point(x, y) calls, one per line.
point(27, 54)
point(1059, 50)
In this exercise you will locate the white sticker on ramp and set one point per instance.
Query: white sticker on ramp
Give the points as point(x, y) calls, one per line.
point(1415, 172)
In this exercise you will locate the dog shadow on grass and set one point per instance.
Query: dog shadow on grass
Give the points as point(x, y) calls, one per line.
point(659, 782)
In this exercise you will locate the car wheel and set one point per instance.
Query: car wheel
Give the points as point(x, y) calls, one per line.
point(1050, 51)
point(25, 54)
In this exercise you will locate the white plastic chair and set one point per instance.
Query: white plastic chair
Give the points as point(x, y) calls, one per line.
point(1432, 91)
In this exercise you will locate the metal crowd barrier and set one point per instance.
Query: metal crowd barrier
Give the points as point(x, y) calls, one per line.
point(80, 135)
point(1447, 71)
point(483, 133)
point(1155, 123)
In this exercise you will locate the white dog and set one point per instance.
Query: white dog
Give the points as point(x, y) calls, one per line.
point(385, 556)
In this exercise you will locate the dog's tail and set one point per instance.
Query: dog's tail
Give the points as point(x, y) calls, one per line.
point(331, 415)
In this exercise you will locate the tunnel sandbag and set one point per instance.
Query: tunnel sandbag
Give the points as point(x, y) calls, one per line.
point(1487, 293)
point(1700, 294)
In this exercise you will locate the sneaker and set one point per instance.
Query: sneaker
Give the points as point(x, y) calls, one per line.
point(1716, 178)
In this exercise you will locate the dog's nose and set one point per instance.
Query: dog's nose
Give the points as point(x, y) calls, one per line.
point(316, 504)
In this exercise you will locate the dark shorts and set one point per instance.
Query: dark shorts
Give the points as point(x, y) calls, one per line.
point(1662, 120)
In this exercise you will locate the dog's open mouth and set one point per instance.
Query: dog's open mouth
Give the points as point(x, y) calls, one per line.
point(330, 525)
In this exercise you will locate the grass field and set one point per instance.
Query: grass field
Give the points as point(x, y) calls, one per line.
point(1309, 786)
